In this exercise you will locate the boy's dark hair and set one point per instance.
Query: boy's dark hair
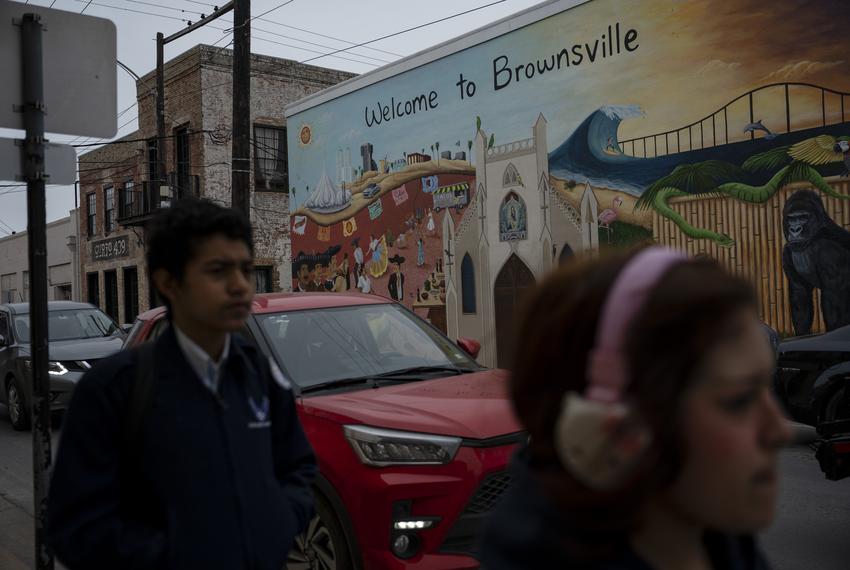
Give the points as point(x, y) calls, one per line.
point(174, 233)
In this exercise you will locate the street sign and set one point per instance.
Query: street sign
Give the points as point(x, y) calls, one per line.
point(60, 162)
point(79, 58)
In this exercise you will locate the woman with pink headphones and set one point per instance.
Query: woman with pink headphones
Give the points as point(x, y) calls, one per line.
point(643, 381)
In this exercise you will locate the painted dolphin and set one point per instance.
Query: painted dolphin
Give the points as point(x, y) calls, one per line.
point(758, 126)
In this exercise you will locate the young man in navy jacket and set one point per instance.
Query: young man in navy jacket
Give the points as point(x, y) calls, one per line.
point(219, 473)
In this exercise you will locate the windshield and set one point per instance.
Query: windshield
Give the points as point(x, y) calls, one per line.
point(319, 346)
point(70, 324)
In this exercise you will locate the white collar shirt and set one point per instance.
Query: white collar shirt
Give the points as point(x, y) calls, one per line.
point(208, 370)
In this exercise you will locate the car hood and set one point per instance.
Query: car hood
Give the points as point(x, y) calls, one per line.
point(818, 343)
point(475, 406)
point(81, 349)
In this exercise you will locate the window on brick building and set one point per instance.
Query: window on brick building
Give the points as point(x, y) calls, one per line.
point(91, 213)
point(153, 164)
point(131, 294)
point(93, 288)
point(128, 200)
point(108, 210)
point(270, 168)
point(263, 276)
point(182, 161)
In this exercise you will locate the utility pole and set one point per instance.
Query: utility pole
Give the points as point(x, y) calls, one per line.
point(160, 94)
point(154, 190)
point(241, 142)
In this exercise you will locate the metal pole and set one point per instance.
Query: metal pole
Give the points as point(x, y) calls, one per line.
point(241, 143)
point(33, 167)
point(153, 193)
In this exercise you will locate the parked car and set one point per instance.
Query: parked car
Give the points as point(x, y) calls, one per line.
point(810, 375)
point(79, 335)
point(371, 190)
point(413, 437)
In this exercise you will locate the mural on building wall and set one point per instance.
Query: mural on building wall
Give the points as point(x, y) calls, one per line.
point(581, 128)
point(816, 256)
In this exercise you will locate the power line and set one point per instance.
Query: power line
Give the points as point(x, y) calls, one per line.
point(408, 30)
point(249, 20)
point(317, 45)
point(164, 7)
point(132, 10)
point(139, 140)
point(328, 37)
point(313, 51)
point(86, 6)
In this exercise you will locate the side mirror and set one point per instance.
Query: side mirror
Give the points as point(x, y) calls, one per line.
point(126, 327)
point(3, 341)
point(469, 346)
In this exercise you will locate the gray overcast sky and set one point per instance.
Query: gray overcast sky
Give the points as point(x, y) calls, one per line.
point(138, 21)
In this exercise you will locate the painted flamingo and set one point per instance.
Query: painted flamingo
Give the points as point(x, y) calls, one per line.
point(609, 216)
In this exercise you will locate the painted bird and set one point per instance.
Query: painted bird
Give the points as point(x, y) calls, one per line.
point(609, 216)
point(823, 149)
point(844, 148)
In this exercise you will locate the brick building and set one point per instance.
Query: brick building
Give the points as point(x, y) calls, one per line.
point(119, 187)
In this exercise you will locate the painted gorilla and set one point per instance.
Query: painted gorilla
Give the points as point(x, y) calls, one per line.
point(816, 255)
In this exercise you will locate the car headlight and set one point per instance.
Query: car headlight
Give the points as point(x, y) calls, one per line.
point(382, 447)
point(54, 368)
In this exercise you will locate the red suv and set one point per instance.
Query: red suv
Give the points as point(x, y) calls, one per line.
point(413, 437)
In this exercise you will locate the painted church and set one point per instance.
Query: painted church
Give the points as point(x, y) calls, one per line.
point(516, 229)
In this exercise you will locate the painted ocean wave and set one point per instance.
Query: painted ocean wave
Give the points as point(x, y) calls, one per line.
point(593, 153)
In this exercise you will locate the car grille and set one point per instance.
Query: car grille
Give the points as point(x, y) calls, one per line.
point(463, 537)
point(489, 493)
point(80, 365)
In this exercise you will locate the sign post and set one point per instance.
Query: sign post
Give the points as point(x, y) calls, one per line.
point(33, 167)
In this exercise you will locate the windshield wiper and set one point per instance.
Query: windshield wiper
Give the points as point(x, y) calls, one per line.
point(404, 373)
point(340, 383)
point(373, 379)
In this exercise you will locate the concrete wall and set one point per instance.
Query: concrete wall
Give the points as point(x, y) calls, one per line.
point(60, 268)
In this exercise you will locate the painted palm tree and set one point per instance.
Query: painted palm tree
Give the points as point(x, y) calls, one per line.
point(437, 146)
point(469, 156)
point(792, 163)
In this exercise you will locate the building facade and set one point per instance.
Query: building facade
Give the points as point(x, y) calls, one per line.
point(61, 270)
point(121, 185)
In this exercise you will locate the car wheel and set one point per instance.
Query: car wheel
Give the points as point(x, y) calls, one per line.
point(832, 410)
point(18, 413)
point(323, 545)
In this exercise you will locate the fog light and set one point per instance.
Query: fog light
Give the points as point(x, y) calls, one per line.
point(414, 524)
point(401, 544)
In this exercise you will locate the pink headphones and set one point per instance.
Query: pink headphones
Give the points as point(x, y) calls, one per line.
point(598, 436)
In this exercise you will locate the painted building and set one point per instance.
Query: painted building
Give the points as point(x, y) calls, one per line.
point(679, 123)
point(508, 239)
point(120, 187)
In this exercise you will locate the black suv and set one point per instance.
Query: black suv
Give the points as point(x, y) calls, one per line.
point(811, 375)
point(79, 334)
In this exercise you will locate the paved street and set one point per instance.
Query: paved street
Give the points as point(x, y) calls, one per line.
point(813, 519)
point(810, 532)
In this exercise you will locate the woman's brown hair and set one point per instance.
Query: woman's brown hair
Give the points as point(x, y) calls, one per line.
point(684, 316)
